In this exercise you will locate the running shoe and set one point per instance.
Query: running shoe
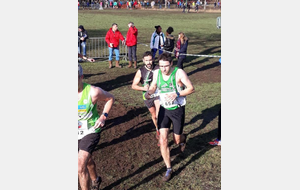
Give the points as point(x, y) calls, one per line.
point(168, 175)
point(96, 183)
point(215, 142)
point(183, 144)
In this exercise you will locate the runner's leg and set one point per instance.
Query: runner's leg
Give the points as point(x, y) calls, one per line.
point(92, 169)
point(83, 173)
point(164, 124)
point(153, 115)
point(164, 148)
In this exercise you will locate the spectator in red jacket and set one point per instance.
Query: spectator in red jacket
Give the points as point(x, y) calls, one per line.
point(131, 42)
point(112, 38)
point(134, 4)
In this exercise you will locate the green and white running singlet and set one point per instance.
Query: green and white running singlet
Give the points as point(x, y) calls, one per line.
point(87, 113)
point(168, 87)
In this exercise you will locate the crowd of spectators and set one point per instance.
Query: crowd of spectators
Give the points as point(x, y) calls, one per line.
point(134, 4)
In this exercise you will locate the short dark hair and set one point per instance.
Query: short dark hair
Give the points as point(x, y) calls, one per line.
point(165, 56)
point(170, 30)
point(147, 53)
point(157, 27)
point(114, 24)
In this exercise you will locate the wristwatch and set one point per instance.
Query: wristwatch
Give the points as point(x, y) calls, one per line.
point(105, 114)
point(178, 94)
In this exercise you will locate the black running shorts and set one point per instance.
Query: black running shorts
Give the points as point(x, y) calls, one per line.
point(176, 117)
point(150, 103)
point(89, 142)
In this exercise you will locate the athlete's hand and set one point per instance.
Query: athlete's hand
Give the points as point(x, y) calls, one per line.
point(100, 122)
point(171, 97)
point(146, 87)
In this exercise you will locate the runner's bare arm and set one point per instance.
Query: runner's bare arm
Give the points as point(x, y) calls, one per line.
point(182, 76)
point(136, 81)
point(101, 95)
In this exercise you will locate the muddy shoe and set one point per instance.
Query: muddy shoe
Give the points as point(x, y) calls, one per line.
point(96, 183)
point(168, 175)
point(183, 144)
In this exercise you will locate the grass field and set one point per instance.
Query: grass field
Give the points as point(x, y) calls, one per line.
point(127, 156)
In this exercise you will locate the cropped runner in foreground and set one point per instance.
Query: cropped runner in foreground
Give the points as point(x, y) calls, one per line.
point(89, 127)
point(145, 76)
point(173, 85)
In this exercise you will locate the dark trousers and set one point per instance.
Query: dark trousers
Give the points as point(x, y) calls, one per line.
point(180, 62)
point(132, 53)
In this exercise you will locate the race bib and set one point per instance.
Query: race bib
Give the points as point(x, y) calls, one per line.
point(180, 101)
point(165, 103)
point(83, 129)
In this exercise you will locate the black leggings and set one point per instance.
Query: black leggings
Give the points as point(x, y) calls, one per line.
point(180, 63)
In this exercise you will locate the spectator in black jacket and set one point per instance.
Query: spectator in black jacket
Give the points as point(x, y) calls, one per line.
point(169, 40)
point(82, 37)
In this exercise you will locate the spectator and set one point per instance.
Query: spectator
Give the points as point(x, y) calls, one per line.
point(112, 38)
point(115, 5)
point(169, 40)
point(188, 7)
point(183, 7)
point(197, 6)
point(131, 42)
point(181, 49)
point(168, 3)
point(152, 4)
point(134, 4)
point(82, 37)
point(83, 4)
point(157, 41)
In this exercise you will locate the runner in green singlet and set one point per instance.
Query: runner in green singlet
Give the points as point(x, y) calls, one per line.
point(173, 85)
point(89, 127)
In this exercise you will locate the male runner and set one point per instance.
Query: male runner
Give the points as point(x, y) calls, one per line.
point(89, 127)
point(173, 85)
point(144, 76)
